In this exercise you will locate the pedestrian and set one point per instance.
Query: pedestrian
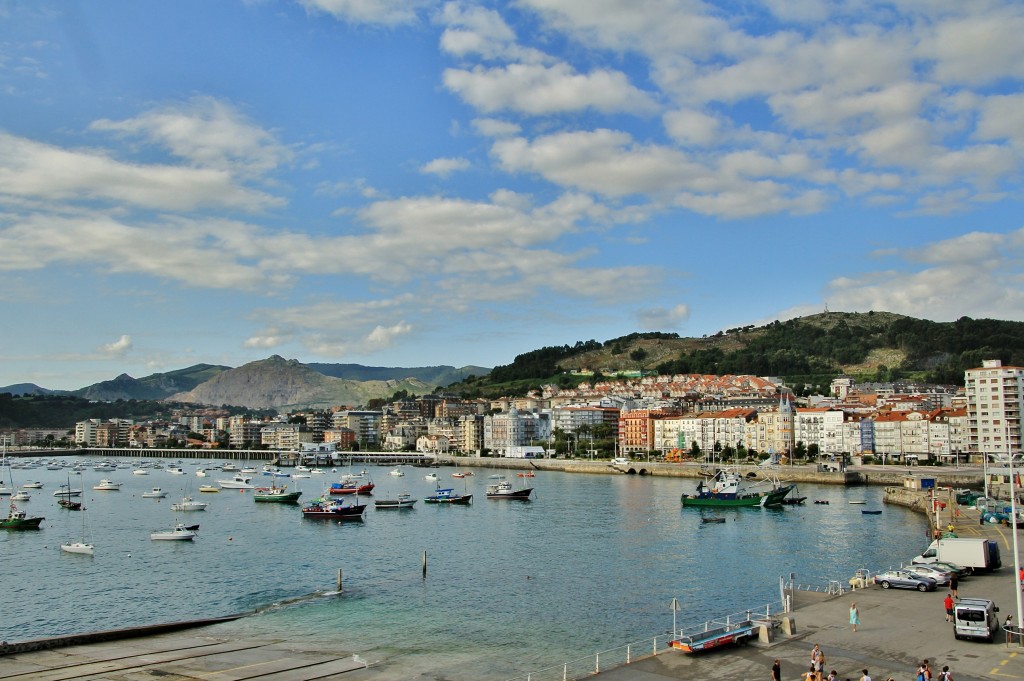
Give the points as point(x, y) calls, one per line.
point(865, 677)
point(1021, 575)
point(945, 674)
point(833, 676)
point(817, 661)
point(927, 670)
point(810, 674)
point(954, 583)
point(777, 670)
point(948, 603)
point(854, 616)
point(920, 671)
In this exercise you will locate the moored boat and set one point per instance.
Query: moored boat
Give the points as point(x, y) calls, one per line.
point(107, 486)
point(77, 547)
point(727, 488)
point(19, 520)
point(237, 482)
point(276, 494)
point(188, 504)
point(67, 491)
point(447, 495)
point(70, 504)
point(337, 509)
point(208, 489)
point(155, 493)
point(504, 490)
point(351, 487)
point(179, 533)
point(401, 501)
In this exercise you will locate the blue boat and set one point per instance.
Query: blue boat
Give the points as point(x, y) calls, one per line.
point(447, 495)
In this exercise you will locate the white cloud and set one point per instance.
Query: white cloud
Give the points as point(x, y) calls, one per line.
point(118, 348)
point(473, 30)
point(692, 128)
point(444, 167)
point(492, 127)
point(386, 12)
point(662, 318)
point(383, 337)
point(536, 89)
point(268, 338)
point(207, 133)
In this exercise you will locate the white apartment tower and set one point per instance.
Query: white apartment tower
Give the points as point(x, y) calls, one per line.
point(995, 395)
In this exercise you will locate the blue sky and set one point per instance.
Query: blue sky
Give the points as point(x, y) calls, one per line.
point(419, 183)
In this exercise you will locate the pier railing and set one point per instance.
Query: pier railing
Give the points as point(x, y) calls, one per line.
point(605, 660)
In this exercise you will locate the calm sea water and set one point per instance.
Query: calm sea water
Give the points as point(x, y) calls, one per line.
point(591, 562)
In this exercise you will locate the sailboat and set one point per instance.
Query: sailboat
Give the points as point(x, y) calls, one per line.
point(79, 546)
point(17, 520)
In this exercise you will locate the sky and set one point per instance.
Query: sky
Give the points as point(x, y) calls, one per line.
point(423, 182)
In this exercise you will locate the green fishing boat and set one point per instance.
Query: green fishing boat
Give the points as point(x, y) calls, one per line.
point(726, 488)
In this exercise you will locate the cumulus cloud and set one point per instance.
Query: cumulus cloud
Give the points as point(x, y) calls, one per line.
point(444, 167)
point(661, 318)
point(118, 348)
point(385, 12)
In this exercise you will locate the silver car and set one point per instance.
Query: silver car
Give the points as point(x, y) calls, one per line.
point(940, 576)
point(904, 579)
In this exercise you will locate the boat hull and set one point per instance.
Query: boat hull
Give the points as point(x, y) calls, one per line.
point(277, 497)
point(754, 500)
point(77, 547)
point(521, 494)
point(354, 512)
point(461, 499)
point(21, 523)
point(394, 503)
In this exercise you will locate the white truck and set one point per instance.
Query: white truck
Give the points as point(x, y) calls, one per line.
point(974, 553)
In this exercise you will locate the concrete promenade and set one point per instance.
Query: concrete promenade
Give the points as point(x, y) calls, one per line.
point(898, 629)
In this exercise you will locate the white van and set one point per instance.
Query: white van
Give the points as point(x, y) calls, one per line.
point(975, 618)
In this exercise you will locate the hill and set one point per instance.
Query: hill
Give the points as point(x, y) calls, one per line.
point(284, 384)
point(436, 375)
point(811, 350)
point(152, 387)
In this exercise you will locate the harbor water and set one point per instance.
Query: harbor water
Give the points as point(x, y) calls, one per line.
point(591, 562)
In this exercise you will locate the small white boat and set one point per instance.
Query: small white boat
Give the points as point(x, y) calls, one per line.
point(237, 482)
point(189, 504)
point(179, 533)
point(21, 495)
point(175, 470)
point(8, 491)
point(229, 468)
point(430, 476)
point(108, 486)
point(397, 472)
point(201, 472)
point(66, 491)
point(77, 547)
point(248, 470)
point(155, 493)
point(140, 471)
point(33, 485)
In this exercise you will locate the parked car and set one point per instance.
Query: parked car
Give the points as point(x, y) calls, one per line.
point(904, 579)
point(940, 576)
point(958, 570)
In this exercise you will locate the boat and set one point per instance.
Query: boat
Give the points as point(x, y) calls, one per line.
point(107, 486)
point(821, 501)
point(350, 487)
point(208, 489)
point(403, 500)
point(175, 470)
point(867, 512)
point(336, 509)
point(713, 519)
point(276, 494)
point(458, 475)
point(504, 490)
point(19, 520)
point(155, 493)
point(32, 485)
point(21, 495)
point(527, 474)
point(859, 503)
point(70, 504)
point(140, 471)
point(237, 482)
point(229, 468)
point(188, 504)
point(67, 491)
point(794, 501)
point(201, 472)
point(727, 488)
point(430, 476)
point(496, 476)
point(447, 495)
point(81, 547)
point(179, 533)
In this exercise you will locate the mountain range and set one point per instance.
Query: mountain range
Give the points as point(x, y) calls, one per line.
point(272, 383)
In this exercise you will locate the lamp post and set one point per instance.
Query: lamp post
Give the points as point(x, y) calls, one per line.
point(675, 608)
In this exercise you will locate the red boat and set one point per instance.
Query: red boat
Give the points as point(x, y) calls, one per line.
point(351, 488)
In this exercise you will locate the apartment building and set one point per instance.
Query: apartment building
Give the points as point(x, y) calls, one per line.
point(995, 395)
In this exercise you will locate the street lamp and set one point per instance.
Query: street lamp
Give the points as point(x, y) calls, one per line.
point(675, 608)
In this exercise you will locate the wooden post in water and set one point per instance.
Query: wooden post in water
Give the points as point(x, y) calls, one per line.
point(424, 563)
point(339, 581)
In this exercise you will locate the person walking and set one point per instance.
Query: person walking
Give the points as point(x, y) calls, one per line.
point(945, 674)
point(948, 604)
point(954, 583)
point(776, 670)
point(854, 616)
point(865, 677)
point(817, 661)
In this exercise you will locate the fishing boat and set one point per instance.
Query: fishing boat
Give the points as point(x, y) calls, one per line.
point(403, 500)
point(866, 512)
point(155, 493)
point(504, 490)
point(336, 509)
point(107, 486)
point(179, 533)
point(727, 488)
point(275, 494)
point(351, 487)
point(188, 504)
point(19, 520)
point(447, 495)
point(237, 482)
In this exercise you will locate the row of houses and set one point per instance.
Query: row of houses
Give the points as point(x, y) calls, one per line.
point(939, 423)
